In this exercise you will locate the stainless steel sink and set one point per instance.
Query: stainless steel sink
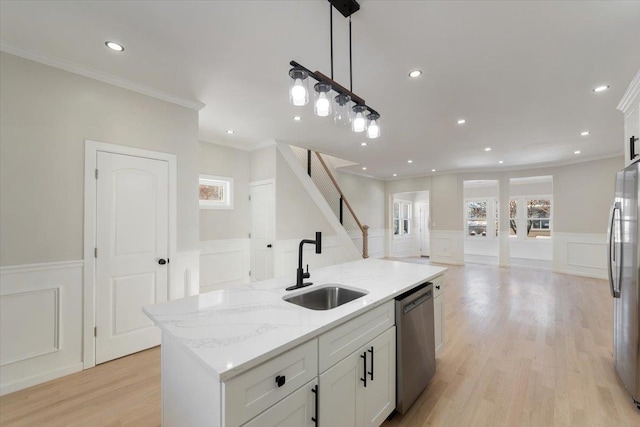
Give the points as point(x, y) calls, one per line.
point(325, 298)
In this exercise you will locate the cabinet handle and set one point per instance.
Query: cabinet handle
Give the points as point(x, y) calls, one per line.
point(316, 391)
point(371, 351)
point(632, 147)
point(438, 287)
point(364, 371)
point(280, 380)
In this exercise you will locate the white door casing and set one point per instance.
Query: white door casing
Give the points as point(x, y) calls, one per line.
point(132, 238)
point(262, 229)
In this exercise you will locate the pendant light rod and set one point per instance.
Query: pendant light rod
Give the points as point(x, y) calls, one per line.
point(350, 59)
point(331, 38)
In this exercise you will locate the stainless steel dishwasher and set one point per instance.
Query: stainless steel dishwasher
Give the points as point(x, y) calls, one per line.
point(415, 344)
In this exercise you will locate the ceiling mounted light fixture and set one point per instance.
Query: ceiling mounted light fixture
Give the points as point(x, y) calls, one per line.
point(230, 131)
point(462, 121)
point(297, 118)
point(601, 88)
point(487, 149)
point(114, 46)
point(415, 73)
point(348, 108)
point(585, 133)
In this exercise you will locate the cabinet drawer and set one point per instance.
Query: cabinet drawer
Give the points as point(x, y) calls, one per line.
point(250, 393)
point(438, 285)
point(343, 340)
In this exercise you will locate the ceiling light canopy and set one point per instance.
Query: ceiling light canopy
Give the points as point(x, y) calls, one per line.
point(330, 97)
point(114, 46)
point(601, 88)
point(415, 73)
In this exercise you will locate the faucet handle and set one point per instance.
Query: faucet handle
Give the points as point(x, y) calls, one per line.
point(306, 274)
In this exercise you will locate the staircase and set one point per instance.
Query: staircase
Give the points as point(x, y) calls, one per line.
point(320, 173)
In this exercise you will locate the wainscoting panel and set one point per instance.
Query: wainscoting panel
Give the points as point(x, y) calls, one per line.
point(581, 254)
point(224, 263)
point(40, 323)
point(447, 247)
point(184, 274)
point(376, 241)
point(403, 246)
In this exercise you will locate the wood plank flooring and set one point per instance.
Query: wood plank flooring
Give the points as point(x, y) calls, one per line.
point(524, 347)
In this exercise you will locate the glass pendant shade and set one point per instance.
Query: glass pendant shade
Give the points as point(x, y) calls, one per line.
point(373, 129)
point(298, 87)
point(322, 104)
point(359, 123)
point(342, 109)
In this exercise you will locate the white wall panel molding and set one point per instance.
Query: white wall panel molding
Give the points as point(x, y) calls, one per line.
point(224, 263)
point(447, 246)
point(184, 274)
point(581, 254)
point(32, 55)
point(40, 323)
point(286, 255)
point(403, 247)
point(376, 241)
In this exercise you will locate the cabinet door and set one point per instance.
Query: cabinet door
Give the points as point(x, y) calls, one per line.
point(380, 392)
point(438, 321)
point(296, 410)
point(340, 397)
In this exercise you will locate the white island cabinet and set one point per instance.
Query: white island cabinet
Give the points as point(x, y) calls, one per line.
point(246, 357)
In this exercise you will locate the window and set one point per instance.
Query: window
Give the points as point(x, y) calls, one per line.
point(216, 192)
point(532, 222)
point(477, 218)
point(401, 217)
point(539, 218)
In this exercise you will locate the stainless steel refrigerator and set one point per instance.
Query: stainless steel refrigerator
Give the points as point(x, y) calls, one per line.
point(623, 277)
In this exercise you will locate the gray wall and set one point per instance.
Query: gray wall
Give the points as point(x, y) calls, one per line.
point(45, 116)
point(366, 197)
point(224, 161)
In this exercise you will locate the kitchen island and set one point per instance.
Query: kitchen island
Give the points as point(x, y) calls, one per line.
point(232, 356)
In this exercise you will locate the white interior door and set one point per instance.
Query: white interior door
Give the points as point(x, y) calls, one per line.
point(425, 243)
point(262, 230)
point(131, 242)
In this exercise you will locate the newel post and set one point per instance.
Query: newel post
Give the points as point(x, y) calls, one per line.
point(365, 241)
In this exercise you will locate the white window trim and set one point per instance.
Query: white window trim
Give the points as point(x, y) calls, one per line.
point(521, 216)
point(491, 218)
point(228, 182)
point(409, 203)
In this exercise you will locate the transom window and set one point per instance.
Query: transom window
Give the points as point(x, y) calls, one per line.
point(216, 192)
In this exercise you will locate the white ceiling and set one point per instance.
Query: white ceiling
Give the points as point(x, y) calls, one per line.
point(520, 73)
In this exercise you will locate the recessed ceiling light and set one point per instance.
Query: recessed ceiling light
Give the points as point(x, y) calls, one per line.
point(415, 73)
point(364, 168)
point(576, 152)
point(409, 161)
point(462, 121)
point(601, 88)
point(114, 46)
point(585, 133)
point(297, 118)
point(433, 170)
point(230, 131)
point(487, 149)
point(500, 162)
point(364, 144)
point(395, 174)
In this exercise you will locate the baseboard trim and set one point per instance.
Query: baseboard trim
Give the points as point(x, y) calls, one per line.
point(39, 379)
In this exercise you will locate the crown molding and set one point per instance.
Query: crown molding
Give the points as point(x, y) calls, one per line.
point(32, 55)
point(632, 91)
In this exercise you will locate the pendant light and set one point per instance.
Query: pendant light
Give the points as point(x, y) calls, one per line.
point(373, 128)
point(322, 103)
point(298, 87)
point(359, 124)
point(342, 109)
point(348, 108)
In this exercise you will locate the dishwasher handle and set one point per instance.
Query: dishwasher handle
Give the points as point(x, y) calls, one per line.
point(416, 302)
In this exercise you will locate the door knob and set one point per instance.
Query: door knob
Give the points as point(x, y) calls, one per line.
point(269, 245)
point(162, 261)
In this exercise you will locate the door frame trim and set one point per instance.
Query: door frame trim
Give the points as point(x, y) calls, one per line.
point(90, 199)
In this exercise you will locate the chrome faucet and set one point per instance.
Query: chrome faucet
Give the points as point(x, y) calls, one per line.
point(300, 273)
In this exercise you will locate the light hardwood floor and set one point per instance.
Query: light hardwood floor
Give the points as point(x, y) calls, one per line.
point(524, 347)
